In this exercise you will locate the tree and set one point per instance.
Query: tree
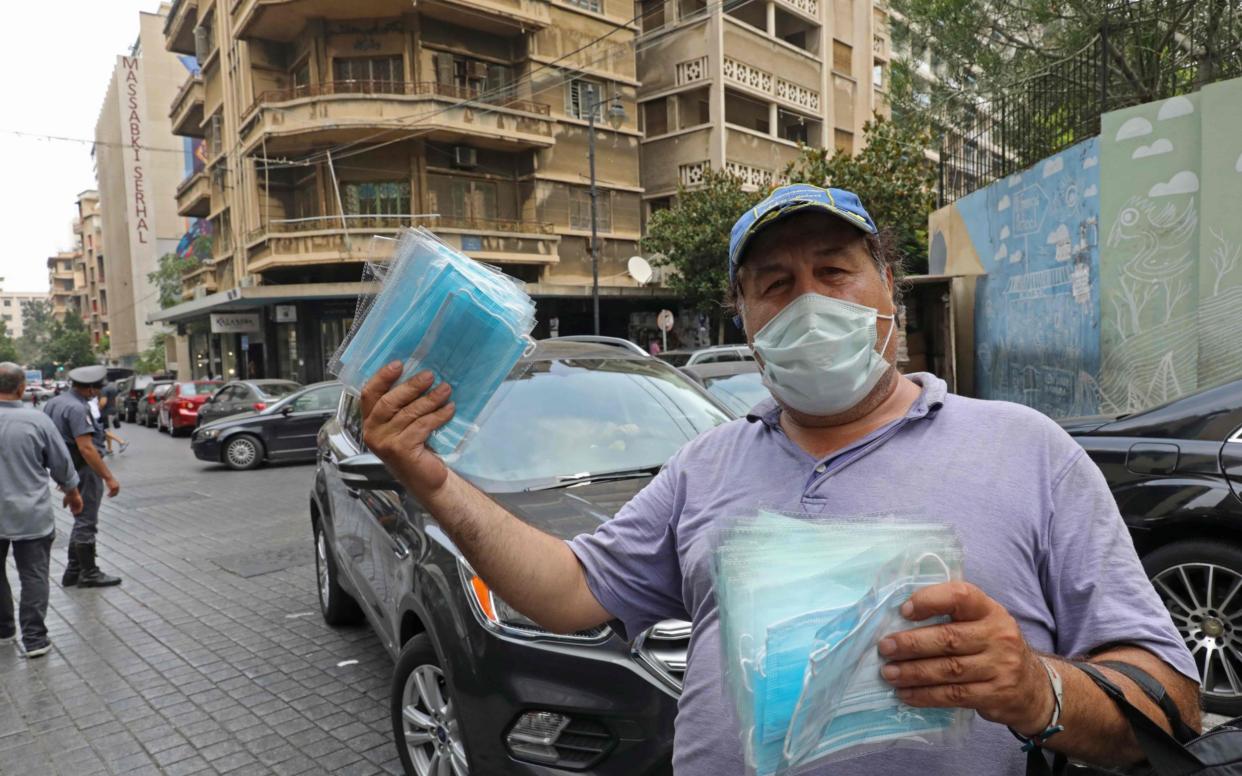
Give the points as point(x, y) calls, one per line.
point(70, 345)
point(37, 331)
point(891, 175)
point(692, 238)
point(152, 360)
point(167, 278)
point(8, 346)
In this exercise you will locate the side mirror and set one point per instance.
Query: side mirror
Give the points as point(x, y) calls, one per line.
point(366, 472)
point(286, 410)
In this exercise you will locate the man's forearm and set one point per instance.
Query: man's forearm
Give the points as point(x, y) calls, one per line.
point(95, 460)
point(533, 572)
point(1095, 730)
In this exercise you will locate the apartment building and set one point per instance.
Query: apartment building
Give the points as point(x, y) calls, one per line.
point(325, 124)
point(90, 278)
point(739, 85)
point(11, 309)
point(60, 290)
point(138, 165)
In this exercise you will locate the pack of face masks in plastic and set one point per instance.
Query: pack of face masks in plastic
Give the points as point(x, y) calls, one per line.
point(442, 311)
point(804, 601)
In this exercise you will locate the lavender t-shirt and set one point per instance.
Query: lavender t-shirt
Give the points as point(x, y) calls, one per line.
point(1040, 530)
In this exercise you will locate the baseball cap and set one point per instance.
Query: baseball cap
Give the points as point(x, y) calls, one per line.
point(786, 201)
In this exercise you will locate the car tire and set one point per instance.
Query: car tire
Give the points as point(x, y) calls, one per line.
point(1199, 582)
point(336, 606)
point(425, 729)
point(242, 452)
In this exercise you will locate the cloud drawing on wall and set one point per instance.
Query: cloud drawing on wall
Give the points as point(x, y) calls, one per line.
point(1172, 108)
point(1135, 127)
point(1001, 252)
point(1059, 235)
point(1090, 161)
point(1003, 204)
point(1161, 146)
point(1014, 180)
point(1053, 166)
point(1015, 257)
point(1004, 232)
point(1184, 182)
point(1090, 191)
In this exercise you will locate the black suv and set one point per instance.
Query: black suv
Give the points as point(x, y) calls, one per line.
point(1176, 474)
point(574, 432)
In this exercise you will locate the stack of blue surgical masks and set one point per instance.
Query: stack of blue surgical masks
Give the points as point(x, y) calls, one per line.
point(804, 601)
point(440, 310)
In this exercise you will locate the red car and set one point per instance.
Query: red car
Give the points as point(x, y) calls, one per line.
point(179, 407)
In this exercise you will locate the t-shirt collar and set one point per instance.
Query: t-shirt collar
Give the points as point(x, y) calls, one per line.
point(929, 402)
point(13, 403)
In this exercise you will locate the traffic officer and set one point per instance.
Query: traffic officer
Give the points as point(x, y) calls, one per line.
point(84, 436)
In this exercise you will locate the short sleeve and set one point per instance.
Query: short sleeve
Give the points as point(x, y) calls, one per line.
point(79, 421)
point(631, 561)
point(1096, 586)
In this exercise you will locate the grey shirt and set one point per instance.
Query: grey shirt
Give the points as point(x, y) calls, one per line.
point(72, 416)
point(32, 448)
point(1039, 527)
point(107, 400)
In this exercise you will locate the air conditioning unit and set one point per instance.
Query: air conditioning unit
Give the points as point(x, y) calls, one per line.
point(477, 70)
point(465, 156)
point(200, 292)
point(246, 281)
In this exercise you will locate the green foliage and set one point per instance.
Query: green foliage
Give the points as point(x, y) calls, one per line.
point(37, 322)
point(104, 345)
point(891, 175)
point(692, 238)
point(70, 345)
point(152, 360)
point(8, 345)
point(47, 343)
point(167, 278)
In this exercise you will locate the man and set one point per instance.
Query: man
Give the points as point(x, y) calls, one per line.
point(32, 449)
point(84, 436)
point(1052, 573)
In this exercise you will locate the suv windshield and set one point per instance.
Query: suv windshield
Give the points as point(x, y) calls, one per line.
point(558, 419)
point(738, 392)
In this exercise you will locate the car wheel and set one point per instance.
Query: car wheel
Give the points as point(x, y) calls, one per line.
point(424, 717)
point(1200, 583)
point(337, 606)
point(242, 452)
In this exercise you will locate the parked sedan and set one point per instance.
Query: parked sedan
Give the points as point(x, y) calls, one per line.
point(179, 407)
point(241, 396)
point(1176, 473)
point(134, 395)
point(149, 402)
point(717, 354)
point(283, 431)
point(736, 384)
point(574, 432)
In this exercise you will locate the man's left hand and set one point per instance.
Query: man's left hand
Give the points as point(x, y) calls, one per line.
point(978, 661)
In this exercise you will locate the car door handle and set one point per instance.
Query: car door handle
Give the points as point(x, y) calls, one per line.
point(400, 549)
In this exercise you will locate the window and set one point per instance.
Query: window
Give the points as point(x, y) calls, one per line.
point(318, 400)
point(351, 418)
point(877, 76)
point(652, 14)
point(462, 198)
point(844, 141)
point(368, 74)
point(468, 76)
point(842, 58)
point(8, 302)
point(580, 209)
point(590, 5)
point(655, 117)
point(301, 79)
point(383, 198)
point(583, 93)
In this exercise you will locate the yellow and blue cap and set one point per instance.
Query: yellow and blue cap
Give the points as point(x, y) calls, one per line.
point(788, 200)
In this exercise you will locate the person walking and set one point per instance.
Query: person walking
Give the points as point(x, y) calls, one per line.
point(84, 437)
point(109, 417)
point(32, 450)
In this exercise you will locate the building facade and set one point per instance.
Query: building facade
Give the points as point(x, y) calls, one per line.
point(738, 86)
point(90, 277)
point(323, 125)
point(11, 309)
point(60, 288)
point(138, 165)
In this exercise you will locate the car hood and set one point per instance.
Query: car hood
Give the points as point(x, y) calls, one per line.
point(567, 512)
point(1087, 424)
point(232, 420)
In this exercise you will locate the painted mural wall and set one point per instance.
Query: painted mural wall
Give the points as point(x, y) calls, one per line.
point(1113, 270)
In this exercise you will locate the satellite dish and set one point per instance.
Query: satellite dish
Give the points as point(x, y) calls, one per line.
point(640, 270)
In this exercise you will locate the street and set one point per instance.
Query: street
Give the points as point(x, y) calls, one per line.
point(212, 656)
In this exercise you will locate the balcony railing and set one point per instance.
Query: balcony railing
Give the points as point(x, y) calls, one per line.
point(398, 88)
point(360, 224)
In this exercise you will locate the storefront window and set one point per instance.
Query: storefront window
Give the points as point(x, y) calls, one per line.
point(200, 355)
point(287, 365)
point(228, 357)
point(332, 332)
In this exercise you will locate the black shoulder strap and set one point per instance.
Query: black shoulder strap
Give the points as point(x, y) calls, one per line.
point(1166, 756)
point(1156, 691)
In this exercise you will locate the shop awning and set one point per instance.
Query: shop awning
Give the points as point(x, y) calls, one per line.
point(256, 296)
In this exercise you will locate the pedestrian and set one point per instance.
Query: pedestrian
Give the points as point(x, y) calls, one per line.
point(103, 433)
point(84, 436)
point(32, 449)
point(1051, 572)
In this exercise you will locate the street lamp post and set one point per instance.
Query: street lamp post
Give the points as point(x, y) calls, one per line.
point(616, 117)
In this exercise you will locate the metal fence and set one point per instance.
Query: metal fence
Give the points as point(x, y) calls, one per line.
point(1145, 50)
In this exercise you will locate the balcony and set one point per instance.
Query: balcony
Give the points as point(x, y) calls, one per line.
point(194, 196)
point(179, 27)
point(322, 240)
point(198, 282)
point(284, 20)
point(347, 111)
point(187, 108)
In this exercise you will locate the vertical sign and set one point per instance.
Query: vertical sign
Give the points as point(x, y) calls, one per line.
point(139, 206)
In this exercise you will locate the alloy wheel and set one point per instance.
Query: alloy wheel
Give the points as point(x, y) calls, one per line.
point(241, 452)
point(430, 725)
point(1207, 610)
point(321, 568)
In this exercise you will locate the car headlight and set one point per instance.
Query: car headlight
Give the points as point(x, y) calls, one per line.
point(208, 433)
point(492, 611)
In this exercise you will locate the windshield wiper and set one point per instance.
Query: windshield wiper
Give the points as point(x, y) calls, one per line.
point(570, 480)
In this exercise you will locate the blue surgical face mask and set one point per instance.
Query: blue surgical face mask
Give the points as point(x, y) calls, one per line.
point(819, 355)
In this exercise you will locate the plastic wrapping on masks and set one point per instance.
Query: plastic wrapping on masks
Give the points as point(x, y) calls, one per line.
point(803, 602)
point(439, 310)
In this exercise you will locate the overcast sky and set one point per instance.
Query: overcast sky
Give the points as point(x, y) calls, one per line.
point(56, 58)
